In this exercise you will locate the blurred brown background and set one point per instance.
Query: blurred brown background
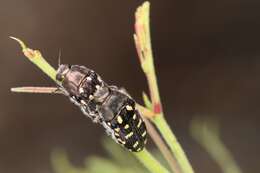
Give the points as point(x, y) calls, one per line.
point(207, 55)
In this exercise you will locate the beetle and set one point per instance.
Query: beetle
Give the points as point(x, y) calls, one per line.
point(107, 105)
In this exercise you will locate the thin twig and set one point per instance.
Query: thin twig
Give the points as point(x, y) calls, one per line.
point(144, 49)
point(147, 113)
point(36, 58)
point(36, 90)
point(162, 147)
point(149, 162)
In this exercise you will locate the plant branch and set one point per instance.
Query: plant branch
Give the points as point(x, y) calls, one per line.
point(147, 113)
point(144, 49)
point(173, 143)
point(150, 162)
point(36, 90)
point(35, 57)
point(162, 147)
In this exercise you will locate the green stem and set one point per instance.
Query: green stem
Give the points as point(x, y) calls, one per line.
point(150, 162)
point(163, 148)
point(36, 58)
point(173, 143)
point(46, 68)
point(142, 38)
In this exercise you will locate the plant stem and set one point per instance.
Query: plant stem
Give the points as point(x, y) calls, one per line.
point(142, 40)
point(173, 143)
point(147, 113)
point(162, 147)
point(150, 162)
point(35, 57)
point(36, 90)
point(144, 49)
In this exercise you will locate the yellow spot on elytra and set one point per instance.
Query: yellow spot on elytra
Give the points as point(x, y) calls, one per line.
point(129, 135)
point(117, 134)
point(120, 141)
point(119, 120)
point(139, 123)
point(134, 116)
point(138, 149)
point(81, 90)
point(89, 78)
point(83, 102)
point(129, 108)
point(91, 97)
point(126, 126)
point(143, 135)
point(135, 144)
point(117, 129)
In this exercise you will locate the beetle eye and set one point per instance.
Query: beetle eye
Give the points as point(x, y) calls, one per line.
point(60, 77)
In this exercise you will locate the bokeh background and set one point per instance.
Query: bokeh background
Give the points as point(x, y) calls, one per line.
point(207, 55)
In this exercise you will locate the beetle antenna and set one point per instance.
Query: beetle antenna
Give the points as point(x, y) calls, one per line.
point(59, 57)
